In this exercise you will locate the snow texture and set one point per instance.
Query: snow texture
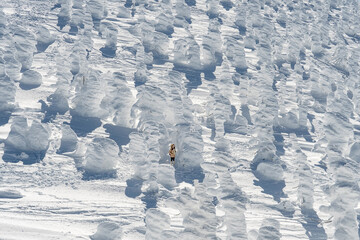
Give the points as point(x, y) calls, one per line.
point(260, 98)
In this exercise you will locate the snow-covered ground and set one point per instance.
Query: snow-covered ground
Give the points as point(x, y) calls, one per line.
point(261, 99)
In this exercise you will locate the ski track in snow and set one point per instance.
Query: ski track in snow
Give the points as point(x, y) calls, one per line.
point(260, 98)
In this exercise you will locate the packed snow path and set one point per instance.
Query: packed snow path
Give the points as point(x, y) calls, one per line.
point(261, 99)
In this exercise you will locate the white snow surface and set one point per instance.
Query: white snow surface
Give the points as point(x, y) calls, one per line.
point(261, 99)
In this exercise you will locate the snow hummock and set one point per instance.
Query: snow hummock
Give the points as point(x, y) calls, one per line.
point(68, 140)
point(30, 79)
point(101, 157)
point(26, 143)
point(107, 231)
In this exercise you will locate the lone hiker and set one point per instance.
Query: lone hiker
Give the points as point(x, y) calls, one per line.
point(172, 153)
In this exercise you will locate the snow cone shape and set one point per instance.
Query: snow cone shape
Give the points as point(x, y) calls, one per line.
point(26, 144)
point(101, 158)
point(30, 79)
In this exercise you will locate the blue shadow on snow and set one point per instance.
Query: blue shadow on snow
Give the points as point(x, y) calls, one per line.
point(188, 174)
point(119, 134)
point(28, 158)
point(4, 117)
point(84, 125)
point(312, 220)
point(133, 188)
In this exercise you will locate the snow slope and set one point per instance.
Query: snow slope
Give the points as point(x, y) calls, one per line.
point(260, 98)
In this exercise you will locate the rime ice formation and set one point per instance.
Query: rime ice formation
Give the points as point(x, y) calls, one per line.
point(68, 140)
point(101, 157)
point(26, 143)
point(7, 93)
point(261, 99)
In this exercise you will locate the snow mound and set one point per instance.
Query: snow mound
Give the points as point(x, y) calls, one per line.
point(12, 194)
point(236, 54)
point(26, 143)
point(272, 172)
point(68, 140)
point(98, 9)
point(289, 121)
point(101, 158)
point(110, 32)
point(2, 22)
point(187, 54)
point(123, 12)
point(7, 92)
point(355, 152)
point(44, 39)
point(156, 222)
point(24, 42)
point(266, 165)
point(59, 101)
point(12, 65)
point(270, 229)
point(88, 99)
point(183, 14)
point(165, 24)
point(118, 100)
point(107, 231)
point(30, 79)
point(166, 176)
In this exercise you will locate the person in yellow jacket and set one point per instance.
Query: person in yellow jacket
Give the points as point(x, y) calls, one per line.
point(172, 153)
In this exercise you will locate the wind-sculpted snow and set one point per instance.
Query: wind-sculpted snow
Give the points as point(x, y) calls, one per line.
point(65, 13)
point(183, 14)
point(156, 223)
point(101, 158)
point(26, 143)
point(44, 38)
point(30, 79)
point(260, 98)
point(24, 42)
point(341, 204)
point(7, 96)
point(3, 23)
point(98, 9)
point(109, 32)
point(194, 207)
point(107, 231)
point(235, 53)
point(58, 104)
point(87, 104)
point(123, 12)
point(269, 230)
point(12, 65)
point(68, 140)
point(153, 41)
point(118, 100)
point(165, 24)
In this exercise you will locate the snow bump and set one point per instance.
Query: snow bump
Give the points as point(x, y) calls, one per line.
point(30, 79)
